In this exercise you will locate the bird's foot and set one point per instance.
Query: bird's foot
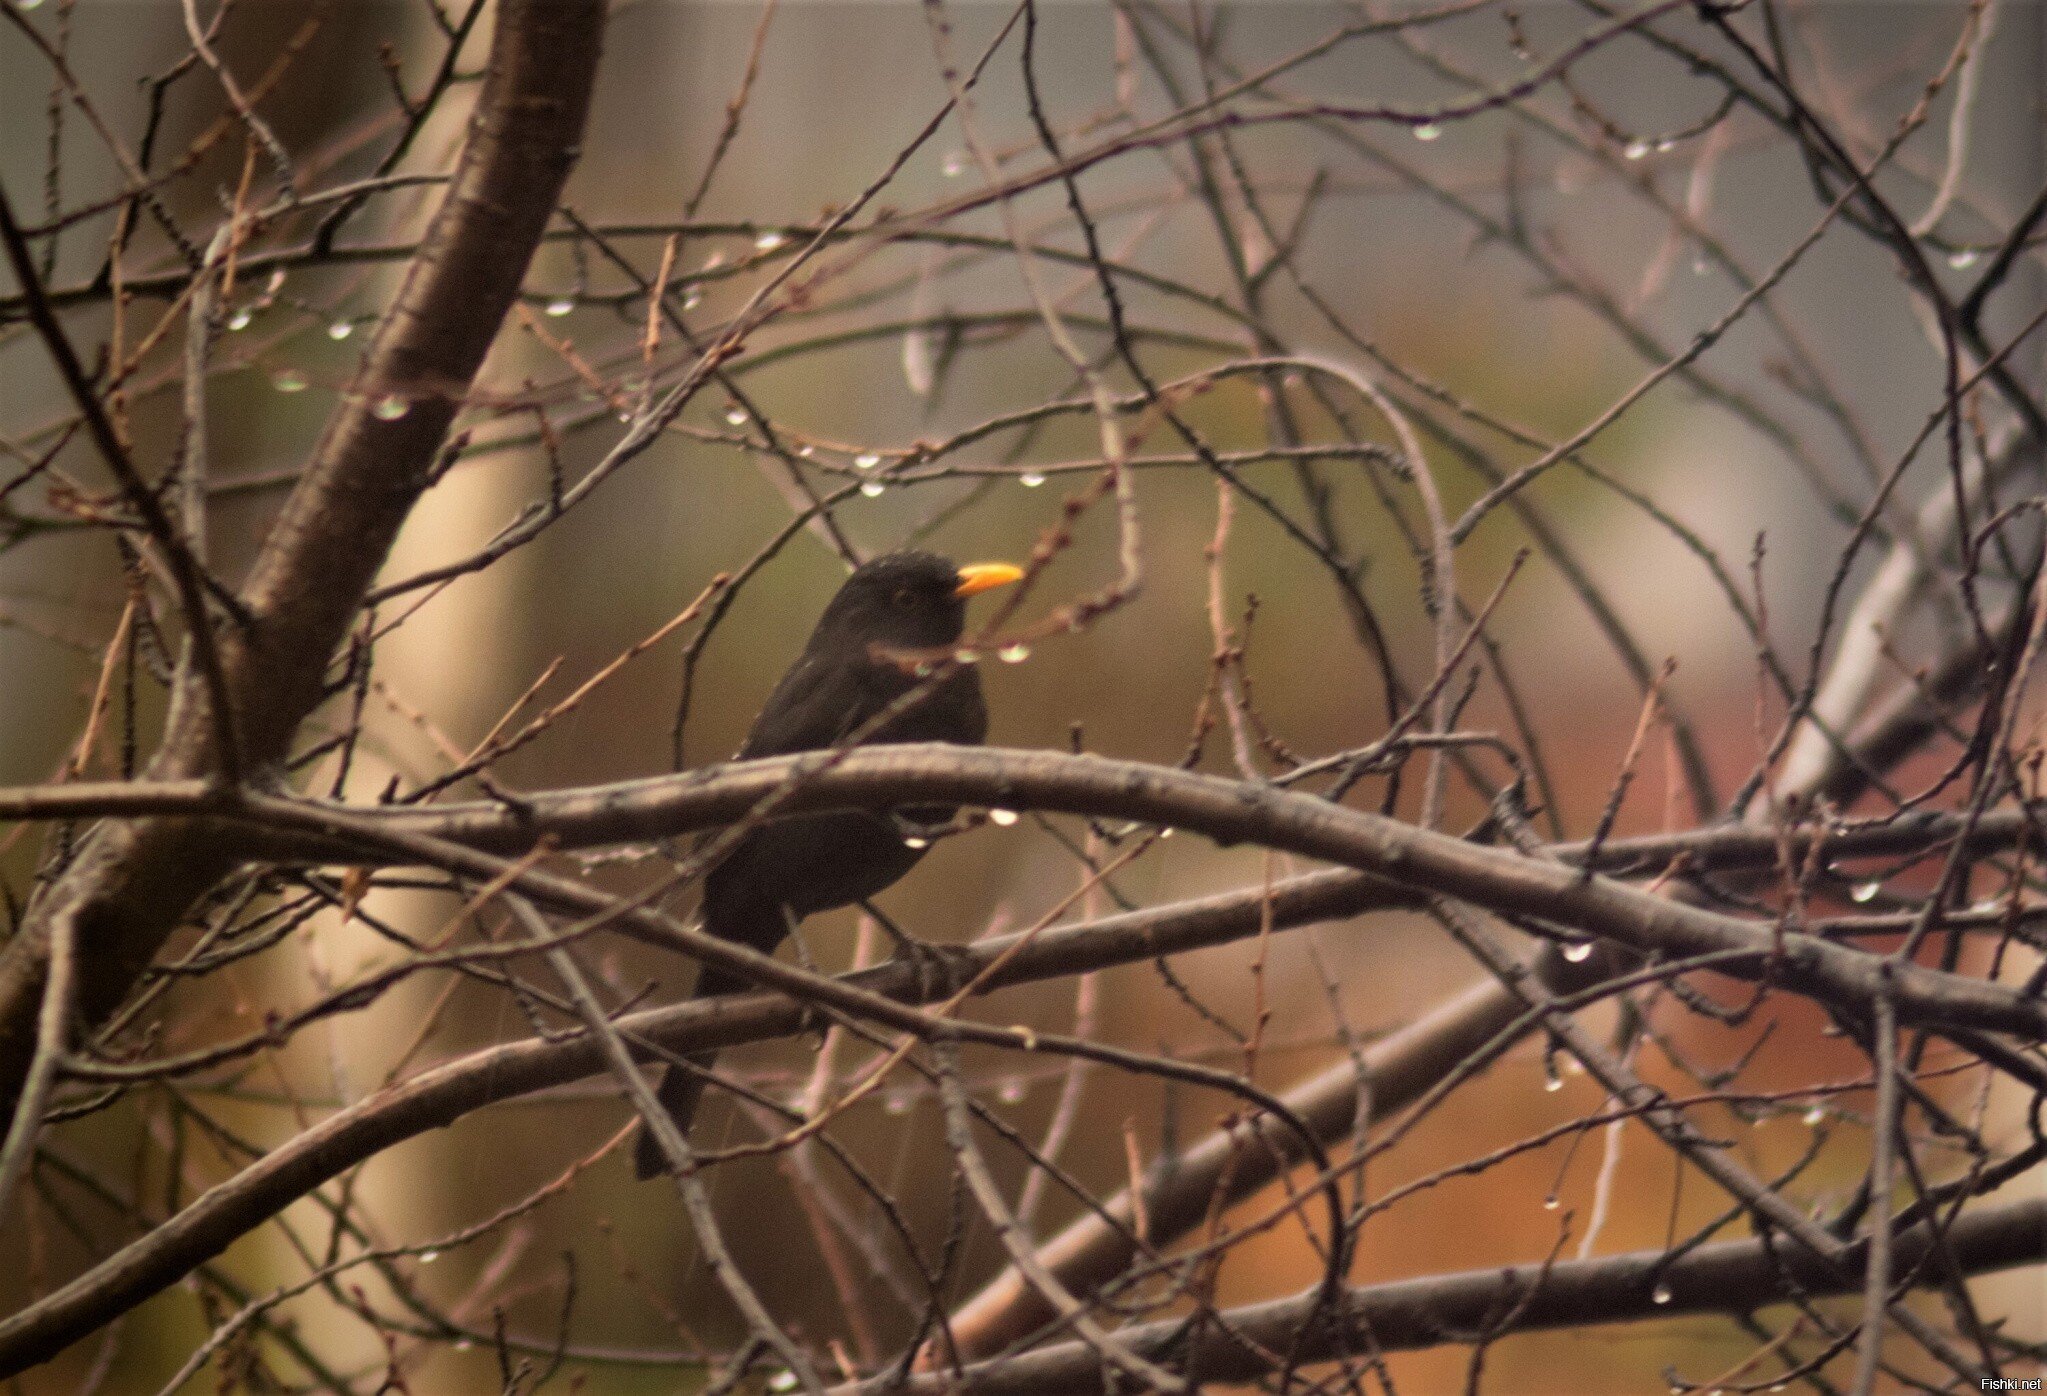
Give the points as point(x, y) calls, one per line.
point(922, 833)
point(942, 970)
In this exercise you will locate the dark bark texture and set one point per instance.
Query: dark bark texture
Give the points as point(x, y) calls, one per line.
point(131, 881)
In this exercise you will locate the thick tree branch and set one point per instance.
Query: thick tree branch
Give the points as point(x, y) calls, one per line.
point(886, 776)
point(603, 815)
point(1726, 1277)
point(128, 886)
point(1228, 811)
point(438, 1097)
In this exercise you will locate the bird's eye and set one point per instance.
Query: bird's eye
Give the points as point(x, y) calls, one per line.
point(904, 597)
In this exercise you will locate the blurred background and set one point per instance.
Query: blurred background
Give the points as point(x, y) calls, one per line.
point(1510, 276)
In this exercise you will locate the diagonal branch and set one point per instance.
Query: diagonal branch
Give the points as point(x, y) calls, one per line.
point(1727, 1277)
point(131, 881)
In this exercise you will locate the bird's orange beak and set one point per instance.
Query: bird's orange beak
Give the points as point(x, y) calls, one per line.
point(986, 576)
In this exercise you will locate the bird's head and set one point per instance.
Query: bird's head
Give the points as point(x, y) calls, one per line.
point(907, 601)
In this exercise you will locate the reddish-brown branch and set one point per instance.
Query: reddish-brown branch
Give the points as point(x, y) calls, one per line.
point(131, 882)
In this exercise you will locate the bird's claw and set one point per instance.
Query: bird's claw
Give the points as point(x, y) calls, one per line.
point(941, 970)
point(922, 833)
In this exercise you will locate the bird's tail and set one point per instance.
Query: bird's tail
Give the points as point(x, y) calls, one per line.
point(679, 1093)
point(681, 1087)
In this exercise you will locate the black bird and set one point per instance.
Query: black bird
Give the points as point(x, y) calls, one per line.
point(852, 668)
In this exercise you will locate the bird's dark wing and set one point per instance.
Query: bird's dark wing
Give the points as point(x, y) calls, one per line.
point(817, 704)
